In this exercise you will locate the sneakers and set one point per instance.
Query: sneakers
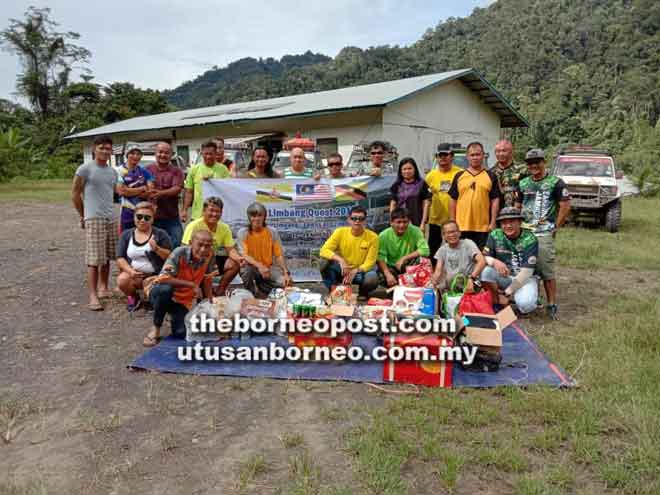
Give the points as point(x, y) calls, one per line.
point(551, 311)
point(133, 304)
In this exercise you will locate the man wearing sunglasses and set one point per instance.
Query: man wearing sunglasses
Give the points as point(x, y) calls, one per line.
point(351, 253)
point(546, 205)
point(377, 151)
point(335, 166)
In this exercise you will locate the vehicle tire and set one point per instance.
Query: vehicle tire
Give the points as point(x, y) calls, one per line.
point(613, 217)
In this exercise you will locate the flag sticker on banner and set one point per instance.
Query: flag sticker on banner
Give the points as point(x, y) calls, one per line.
point(313, 192)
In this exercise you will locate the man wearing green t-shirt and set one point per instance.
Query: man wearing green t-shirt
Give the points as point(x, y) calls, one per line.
point(511, 254)
point(399, 245)
point(208, 169)
point(546, 204)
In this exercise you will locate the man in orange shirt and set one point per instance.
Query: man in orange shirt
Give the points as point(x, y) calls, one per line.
point(475, 198)
point(261, 248)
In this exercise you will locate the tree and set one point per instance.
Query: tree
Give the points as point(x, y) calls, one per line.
point(47, 57)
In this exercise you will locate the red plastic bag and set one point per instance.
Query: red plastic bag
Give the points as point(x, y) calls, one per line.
point(476, 302)
point(417, 275)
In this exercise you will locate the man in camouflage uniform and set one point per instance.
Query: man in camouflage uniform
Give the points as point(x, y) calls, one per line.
point(508, 174)
point(511, 253)
point(546, 204)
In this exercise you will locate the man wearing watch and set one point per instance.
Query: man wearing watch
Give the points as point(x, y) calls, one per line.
point(350, 254)
point(265, 268)
point(511, 254)
point(455, 257)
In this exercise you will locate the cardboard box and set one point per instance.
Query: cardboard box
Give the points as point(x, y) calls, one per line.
point(257, 308)
point(486, 330)
point(429, 373)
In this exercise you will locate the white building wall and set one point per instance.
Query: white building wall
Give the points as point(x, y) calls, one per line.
point(346, 136)
point(449, 113)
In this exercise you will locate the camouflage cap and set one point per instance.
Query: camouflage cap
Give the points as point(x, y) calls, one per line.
point(535, 154)
point(509, 213)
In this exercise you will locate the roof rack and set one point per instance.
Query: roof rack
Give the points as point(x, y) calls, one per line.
point(581, 149)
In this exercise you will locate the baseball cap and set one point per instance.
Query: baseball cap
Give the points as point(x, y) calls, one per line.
point(535, 154)
point(444, 148)
point(133, 147)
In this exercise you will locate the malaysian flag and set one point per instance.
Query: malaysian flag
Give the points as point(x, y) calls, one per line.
point(313, 192)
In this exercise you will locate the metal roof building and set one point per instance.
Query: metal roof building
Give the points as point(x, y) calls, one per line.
point(411, 113)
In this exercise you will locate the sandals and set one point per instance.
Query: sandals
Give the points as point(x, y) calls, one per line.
point(95, 306)
point(150, 341)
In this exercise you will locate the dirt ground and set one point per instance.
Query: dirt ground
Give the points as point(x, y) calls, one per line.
point(85, 424)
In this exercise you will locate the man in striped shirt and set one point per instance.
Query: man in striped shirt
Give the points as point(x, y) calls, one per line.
point(298, 168)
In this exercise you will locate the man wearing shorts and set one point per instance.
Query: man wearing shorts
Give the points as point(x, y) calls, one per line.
point(546, 204)
point(94, 184)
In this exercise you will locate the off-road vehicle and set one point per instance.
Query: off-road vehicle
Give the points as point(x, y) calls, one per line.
point(591, 178)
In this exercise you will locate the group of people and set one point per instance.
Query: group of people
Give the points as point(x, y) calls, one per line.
point(172, 266)
point(494, 227)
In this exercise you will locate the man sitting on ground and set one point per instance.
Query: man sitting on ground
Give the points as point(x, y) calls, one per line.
point(227, 257)
point(399, 245)
point(261, 247)
point(186, 269)
point(511, 253)
point(351, 254)
point(457, 257)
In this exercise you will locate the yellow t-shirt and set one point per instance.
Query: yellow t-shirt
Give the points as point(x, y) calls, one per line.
point(194, 179)
point(360, 252)
point(222, 237)
point(439, 183)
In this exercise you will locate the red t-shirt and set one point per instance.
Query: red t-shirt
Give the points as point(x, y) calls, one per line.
point(167, 207)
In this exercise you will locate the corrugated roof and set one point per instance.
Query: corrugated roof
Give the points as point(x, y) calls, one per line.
point(336, 100)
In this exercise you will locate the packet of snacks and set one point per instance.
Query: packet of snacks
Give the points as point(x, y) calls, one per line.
point(417, 275)
point(341, 294)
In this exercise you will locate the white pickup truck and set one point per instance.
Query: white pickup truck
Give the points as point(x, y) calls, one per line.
point(591, 178)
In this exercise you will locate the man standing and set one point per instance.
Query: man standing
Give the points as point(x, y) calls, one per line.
point(220, 153)
point(208, 169)
point(439, 181)
point(377, 151)
point(298, 168)
point(474, 198)
point(399, 245)
point(457, 257)
point(133, 186)
point(508, 174)
point(335, 166)
point(168, 181)
point(352, 253)
point(94, 184)
point(226, 257)
point(546, 205)
point(511, 255)
point(187, 274)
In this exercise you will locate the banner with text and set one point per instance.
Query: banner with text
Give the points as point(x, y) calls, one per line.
point(303, 211)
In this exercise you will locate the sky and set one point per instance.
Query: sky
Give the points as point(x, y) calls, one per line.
point(156, 44)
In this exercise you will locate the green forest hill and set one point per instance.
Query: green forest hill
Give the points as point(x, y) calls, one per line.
point(582, 71)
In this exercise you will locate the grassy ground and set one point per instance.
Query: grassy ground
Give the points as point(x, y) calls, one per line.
point(49, 191)
point(74, 418)
point(602, 436)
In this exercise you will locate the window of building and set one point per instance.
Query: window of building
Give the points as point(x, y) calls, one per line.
point(327, 146)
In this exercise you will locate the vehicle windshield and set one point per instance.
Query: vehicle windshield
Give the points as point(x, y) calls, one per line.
point(585, 167)
point(461, 161)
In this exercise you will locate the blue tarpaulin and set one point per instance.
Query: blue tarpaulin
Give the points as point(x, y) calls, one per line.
point(523, 364)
